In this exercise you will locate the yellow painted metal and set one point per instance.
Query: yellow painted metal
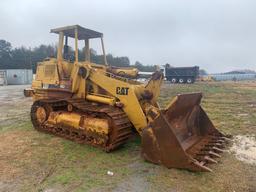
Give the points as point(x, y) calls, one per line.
point(100, 126)
point(97, 83)
point(59, 56)
point(82, 88)
point(154, 86)
point(101, 99)
point(76, 44)
point(68, 119)
point(36, 84)
point(103, 50)
point(41, 114)
point(78, 82)
point(67, 68)
point(76, 120)
point(131, 104)
point(47, 72)
point(60, 47)
point(104, 89)
point(129, 72)
point(150, 111)
point(87, 50)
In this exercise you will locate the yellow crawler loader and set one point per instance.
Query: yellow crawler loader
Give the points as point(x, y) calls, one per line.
point(92, 104)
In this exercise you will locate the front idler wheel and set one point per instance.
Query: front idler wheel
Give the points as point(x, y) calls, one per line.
point(39, 114)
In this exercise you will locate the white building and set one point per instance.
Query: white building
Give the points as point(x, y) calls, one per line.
point(16, 76)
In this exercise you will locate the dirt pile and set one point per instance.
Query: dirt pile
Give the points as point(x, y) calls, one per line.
point(244, 148)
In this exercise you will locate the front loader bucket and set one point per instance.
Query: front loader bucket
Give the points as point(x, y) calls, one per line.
point(182, 136)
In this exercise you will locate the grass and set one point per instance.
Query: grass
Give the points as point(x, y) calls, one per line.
point(86, 167)
point(227, 104)
point(47, 162)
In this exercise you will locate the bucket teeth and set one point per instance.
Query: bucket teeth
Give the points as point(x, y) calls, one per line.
point(222, 138)
point(226, 139)
point(208, 151)
point(214, 138)
point(214, 154)
point(218, 141)
point(218, 149)
point(201, 165)
point(215, 149)
point(219, 145)
point(210, 160)
point(206, 159)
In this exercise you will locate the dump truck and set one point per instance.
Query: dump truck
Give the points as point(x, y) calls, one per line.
point(181, 74)
point(86, 103)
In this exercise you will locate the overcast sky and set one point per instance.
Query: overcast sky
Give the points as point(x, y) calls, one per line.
point(217, 35)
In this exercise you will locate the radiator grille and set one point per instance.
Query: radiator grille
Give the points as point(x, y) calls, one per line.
point(49, 70)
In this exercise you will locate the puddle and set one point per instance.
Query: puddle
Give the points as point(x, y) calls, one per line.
point(244, 148)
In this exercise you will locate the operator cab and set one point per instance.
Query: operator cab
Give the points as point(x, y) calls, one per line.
point(56, 72)
point(78, 33)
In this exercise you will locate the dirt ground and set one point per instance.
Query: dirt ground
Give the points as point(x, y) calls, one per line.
point(33, 161)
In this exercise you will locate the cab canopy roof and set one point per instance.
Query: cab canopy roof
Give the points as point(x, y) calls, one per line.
point(83, 33)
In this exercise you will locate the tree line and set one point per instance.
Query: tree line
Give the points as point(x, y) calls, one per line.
point(27, 58)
